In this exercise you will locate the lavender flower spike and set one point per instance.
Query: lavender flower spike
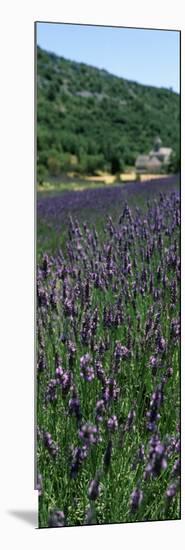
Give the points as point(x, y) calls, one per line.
point(93, 491)
point(56, 519)
point(171, 491)
point(107, 455)
point(87, 371)
point(89, 434)
point(112, 423)
point(39, 485)
point(136, 499)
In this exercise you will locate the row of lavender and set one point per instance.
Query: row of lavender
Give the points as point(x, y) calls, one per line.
point(108, 389)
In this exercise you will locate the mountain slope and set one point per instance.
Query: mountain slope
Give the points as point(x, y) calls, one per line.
point(88, 119)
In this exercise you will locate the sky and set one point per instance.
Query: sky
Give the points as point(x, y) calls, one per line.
point(149, 57)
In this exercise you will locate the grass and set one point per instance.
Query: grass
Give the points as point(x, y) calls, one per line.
point(95, 182)
point(66, 186)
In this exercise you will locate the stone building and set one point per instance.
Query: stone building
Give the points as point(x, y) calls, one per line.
point(155, 161)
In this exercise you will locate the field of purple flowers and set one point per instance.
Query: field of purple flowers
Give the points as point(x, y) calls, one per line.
point(108, 361)
point(54, 208)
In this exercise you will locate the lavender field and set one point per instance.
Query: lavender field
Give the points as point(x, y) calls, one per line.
point(108, 355)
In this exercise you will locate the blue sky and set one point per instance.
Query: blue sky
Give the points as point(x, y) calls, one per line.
point(145, 56)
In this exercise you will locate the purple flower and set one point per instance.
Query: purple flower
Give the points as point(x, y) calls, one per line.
point(99, 371)
point(65, 382)
point(39, 484)
point(157, 459)
point(78, 456)
point(177, 446)
point(141, 453)
point(175, 328)
point(136, 499)
point(112, 423)
point(94, 322)
point(100, 409)
point(56, 519)
point(41, 365)
point(148, 471)
point(107, 317)
point(155, 404)
point(74, 406)
point(171, 491)
point(110, 390)
point(59, 373)
point(89, 434)
point(153, 363)
point(50, 445)
point(53, 298)
point(64, 379)
point(87, 371)
point(176, 468)
point(93, 491)
point(51, 394)
point(173, 289)
point(45, 266)
point(88, 374)
point(121, 352)
point(160, 341)
point(130, 420)
point(101, 348)
point(169, 372)
point(69, 308)
point(71, 352)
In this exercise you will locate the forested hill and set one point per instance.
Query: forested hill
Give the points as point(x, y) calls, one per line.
point(88, 119)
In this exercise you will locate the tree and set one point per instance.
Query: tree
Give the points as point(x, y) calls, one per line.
point(41, 174)
point(174, 165)
point(115, 164)
point(53, 165)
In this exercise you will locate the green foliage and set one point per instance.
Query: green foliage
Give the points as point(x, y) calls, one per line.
point(115, 164)
point(104, 120)
point(175, 162)
point(90, 164)
point(54, 166)
point(41, 173)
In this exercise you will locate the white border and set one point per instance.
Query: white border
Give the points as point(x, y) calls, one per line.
point(17, 268)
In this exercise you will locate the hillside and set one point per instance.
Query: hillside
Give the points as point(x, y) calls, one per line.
point(88, 119)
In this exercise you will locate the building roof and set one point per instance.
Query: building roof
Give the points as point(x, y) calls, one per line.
point(146, 162)
point(153, 161)
point(142, 159)
point(165, 150)
point(162, 151)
